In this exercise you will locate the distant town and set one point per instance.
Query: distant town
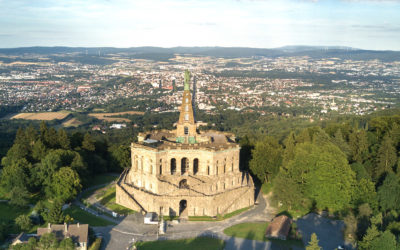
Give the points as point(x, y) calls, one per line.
point(286, 85)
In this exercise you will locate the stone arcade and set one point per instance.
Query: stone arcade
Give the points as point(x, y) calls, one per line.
point(185, 172)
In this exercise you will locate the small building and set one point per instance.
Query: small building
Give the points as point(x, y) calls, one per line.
point(79, 233)
point(279, 227)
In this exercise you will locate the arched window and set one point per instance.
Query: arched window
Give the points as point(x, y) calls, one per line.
point(208, 170)
point(186, 117)
point(186, 130)
point(184, 165)
point(173, 166)
point(160, 166)
point(187, 108)
point(187, 100)
point(224, 168)
point(216, 166)
point(195, 166)
point(183, 184)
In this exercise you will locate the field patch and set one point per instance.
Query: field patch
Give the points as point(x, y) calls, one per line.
point(111, 116)
point(44, 116)
point(73, 122)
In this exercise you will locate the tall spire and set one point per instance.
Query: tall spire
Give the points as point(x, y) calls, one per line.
point(187, 80)
point(186, 126)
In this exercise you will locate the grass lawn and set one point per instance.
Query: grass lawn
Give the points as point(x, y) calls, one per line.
point(256, 231)
point(201, 218)
point(239, 211)
point(107, 199)
point(251, 231)
point(85, 217)
point(200, 243)
point(8, 214)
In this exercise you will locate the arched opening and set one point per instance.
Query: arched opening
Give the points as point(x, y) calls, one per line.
point(195, 166)
point(184, 165)
point(183, 184)
point(173, 166)
point(160, 166)
point(224, 168)
point(182, 206)
point(186, 130)
point(208, 170)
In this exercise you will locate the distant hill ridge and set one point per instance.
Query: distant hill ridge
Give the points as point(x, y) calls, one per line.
point(159, 53)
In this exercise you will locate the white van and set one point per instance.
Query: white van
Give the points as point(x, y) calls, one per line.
point(151, 218)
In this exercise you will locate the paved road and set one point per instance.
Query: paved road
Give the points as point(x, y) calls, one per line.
point(132, 227)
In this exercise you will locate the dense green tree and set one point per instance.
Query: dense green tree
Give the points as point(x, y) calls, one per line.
point(386, 158)
point(358, 144)
point(65, 184)
point(121, 157)
point(313, 244)
point(369, 237)
point(88, 143)
point(361, 172)
point(303, 136)
point(324, 174)
point(19, 196)
point(55, 214)
point(290, 143)
point(48, 241)
point(31, 135)
point(51, 138)
point(287, 191)
point(385, 240)
point(341, 143)
point(24, 222)
point(266, 159)
point(16, 152)
point(39, 150)
point(15, 174)
point(364, 192)
point(63, 140)
point(67, 244)
point(389, 193)
point(43, 131)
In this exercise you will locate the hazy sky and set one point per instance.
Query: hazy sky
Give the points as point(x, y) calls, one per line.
point(365, 24)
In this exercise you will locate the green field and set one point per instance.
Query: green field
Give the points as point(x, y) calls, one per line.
point(256, 231)
point(251, 231)
point(8, 214)
point(86, 218)
point(200, 243)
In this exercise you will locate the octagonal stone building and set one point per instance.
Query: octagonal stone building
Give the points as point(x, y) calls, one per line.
point(185, 172)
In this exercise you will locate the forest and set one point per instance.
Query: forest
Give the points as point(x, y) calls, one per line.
point(346, 166)
point(349, 170)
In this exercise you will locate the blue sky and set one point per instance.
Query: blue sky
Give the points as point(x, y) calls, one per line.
point(365, 24)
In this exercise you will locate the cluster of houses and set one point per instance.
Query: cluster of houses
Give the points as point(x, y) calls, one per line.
point(79, 233)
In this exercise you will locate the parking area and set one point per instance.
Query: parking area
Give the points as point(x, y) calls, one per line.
point(329, 232)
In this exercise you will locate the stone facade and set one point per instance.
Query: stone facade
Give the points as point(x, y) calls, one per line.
point(184, 172)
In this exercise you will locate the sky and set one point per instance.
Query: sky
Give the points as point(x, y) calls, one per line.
point(365, 24)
